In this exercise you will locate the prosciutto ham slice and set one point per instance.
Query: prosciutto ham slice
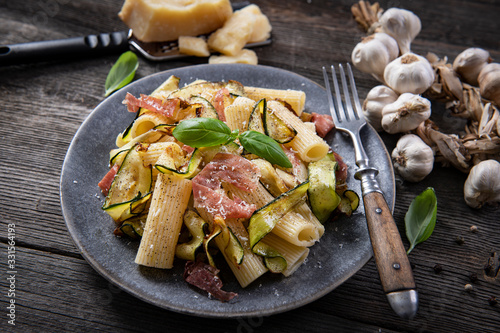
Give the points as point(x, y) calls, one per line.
point(323, 122)
point(219, 103)
point(153, 104)
point(205, 277)
point(229, 168)
point(106, 181)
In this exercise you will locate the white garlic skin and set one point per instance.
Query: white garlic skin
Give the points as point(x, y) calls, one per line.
point(483, 184)
point(409, 73)
point(489, 82)
point(413, 159)
point(403, 25)
point(373, 53)
point(469, 64)
point(406, 113)
point(377, 98)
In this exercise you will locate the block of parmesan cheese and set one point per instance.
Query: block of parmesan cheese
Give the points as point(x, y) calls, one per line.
point(166, 20)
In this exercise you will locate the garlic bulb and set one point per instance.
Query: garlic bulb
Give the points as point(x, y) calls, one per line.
point(409, 73)
point(489, 82)
point(373, 53)
point(413, 159)
point(406, 113)
point(469, 63)
point(377, 98)
point(483, 184)
point(403, 25)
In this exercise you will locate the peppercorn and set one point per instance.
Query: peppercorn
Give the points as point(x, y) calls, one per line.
point(468, 287)
point(473, 228)
point(459, 240)
point(437, 268)
point(492, 300)
point(473, 277)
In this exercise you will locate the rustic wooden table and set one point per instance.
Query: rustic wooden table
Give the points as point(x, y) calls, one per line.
point(42, 106)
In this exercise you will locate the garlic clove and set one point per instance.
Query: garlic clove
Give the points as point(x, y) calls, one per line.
point(469, 63)
point(373, 53)
point(489, 82)
point(409, 73)
point(406, 113)
point(498, 126)
point(377, 98)
point(483, 184)
point(413, 159)
point(403, 25)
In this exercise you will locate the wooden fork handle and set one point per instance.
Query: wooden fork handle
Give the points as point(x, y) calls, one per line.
point(388, 250)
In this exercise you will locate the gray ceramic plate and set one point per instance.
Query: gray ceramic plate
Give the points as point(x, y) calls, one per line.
point(342, 251)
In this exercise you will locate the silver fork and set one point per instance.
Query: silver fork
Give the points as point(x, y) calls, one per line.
point(390, 256)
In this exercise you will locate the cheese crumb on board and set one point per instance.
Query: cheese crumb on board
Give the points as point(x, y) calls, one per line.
point(195, 46)
point(244, 56)
point(167, 20)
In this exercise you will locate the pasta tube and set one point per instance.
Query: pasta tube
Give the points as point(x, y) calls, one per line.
point(252, 266)
point(164, 221)
point(293, 227)
point(237, 114)
point(296, 98)
point(294, 255)
point(306, 143)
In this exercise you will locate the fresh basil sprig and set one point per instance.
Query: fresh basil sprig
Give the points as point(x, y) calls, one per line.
point(420, 219)
point(264, 146)
point(208, 132)
point(122, 72)
point(203, 132)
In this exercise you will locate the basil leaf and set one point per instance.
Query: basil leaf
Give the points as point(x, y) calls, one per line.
point(122, 72)
point(203, 132)
point(420, 219)
point(265, 147)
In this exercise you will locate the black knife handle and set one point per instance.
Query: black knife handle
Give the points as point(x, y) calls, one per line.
point(64, 49)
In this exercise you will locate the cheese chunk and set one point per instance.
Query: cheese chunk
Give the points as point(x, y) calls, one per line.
point(166, 20)
point(195, 46)
point(245, 56)
point(261, 28)
point(246, 25)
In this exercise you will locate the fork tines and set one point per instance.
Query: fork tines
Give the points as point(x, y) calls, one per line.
point(344, 111)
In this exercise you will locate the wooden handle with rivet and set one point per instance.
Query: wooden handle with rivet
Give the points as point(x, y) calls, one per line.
point(388, 250)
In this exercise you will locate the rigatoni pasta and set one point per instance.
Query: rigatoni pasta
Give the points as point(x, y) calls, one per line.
point(252, 267)
point(224, 185)
point(294, 255)
point(161, 232)
point(307, 143)
point(293, 227)
point(295, 98)
point(238, 113)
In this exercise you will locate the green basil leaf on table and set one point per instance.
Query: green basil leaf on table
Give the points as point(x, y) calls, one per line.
point(420, 219)
point(265, 147)
point(122, 72)
point(203, 132)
